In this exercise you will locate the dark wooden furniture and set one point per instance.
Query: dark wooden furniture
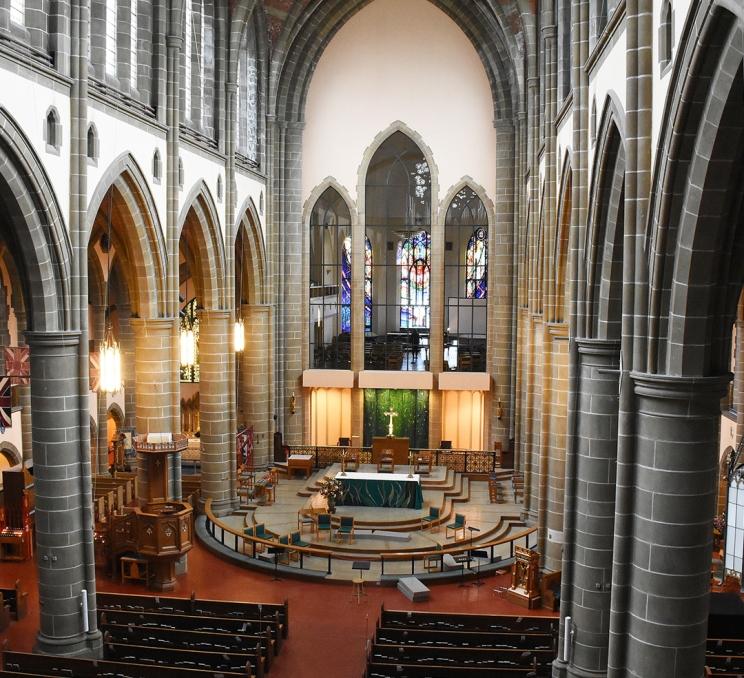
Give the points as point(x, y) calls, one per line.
point(550, 590)
point(16, 534)
point(399, 447)
point(524, 589)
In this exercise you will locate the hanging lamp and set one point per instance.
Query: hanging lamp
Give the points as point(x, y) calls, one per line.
point(238, 327)
point(188, 337)
point(109, 354)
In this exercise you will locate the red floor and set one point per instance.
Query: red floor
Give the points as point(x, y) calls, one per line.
point(328, 630)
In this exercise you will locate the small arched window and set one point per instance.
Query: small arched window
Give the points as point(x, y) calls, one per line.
point(219, 187)
point(181, 176)
point(665, 34)
point(593, 122)
point(53, 130)
point(157, 169)
point(92, 146)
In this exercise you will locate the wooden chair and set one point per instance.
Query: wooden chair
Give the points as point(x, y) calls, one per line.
point(423, 462)
point(432, 520)
point(345, 529)
point(323, 524)
point(433, 561)
point(386, 462)
point(457, 526)
point(305, 518)
point(350, 462)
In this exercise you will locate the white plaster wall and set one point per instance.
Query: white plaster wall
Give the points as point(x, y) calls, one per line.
point(249, 186)
point(403, 61)
point(608, 76)
point(27, 100)
point(198, 167)
point(119, 134)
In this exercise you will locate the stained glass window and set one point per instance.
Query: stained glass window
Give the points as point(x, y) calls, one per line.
point(476, 266)
point(189, 318)
point(415, 273)
point(346, 285)
point(368, 263)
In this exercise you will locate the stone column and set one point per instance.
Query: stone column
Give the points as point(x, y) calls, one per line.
point(217, 450)
point(501, 291)
point(596, 457)
point(664, 517)
point(153, 382)
point(61, 541)
point(254, 397)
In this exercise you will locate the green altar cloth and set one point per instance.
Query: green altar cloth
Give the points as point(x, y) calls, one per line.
point(392, 490)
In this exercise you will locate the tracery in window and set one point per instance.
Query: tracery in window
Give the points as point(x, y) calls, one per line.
point(476, 265)
point(415, 280)
point(248, 95)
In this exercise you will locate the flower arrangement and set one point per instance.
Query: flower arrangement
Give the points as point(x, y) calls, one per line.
point(332, 490)
point(719, 522)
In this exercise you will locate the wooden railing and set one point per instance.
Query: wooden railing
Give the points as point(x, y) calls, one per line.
point(462, 461)
point(247, 545)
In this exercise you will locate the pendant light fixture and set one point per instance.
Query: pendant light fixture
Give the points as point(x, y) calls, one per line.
point(239, 328)
point(109, 354)
point(188, 338)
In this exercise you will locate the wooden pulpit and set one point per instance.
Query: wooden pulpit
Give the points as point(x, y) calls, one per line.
point(524, 590)
point(398, 447)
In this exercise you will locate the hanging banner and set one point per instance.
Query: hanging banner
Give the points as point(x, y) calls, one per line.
point(17, 363)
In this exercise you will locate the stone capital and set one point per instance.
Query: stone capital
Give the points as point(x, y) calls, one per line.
point(52, 340)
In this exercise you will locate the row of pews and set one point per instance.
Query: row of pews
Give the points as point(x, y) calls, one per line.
point(159, 637)
point(112, 494)
point(450, 645)
point(13, 604)
point(724, 650)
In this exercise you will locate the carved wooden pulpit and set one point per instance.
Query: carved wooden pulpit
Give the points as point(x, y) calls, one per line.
point(524, 590)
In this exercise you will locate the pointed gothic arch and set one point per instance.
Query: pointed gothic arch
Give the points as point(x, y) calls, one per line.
point(254, 276)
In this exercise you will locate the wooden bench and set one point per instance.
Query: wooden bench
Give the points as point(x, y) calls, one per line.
point(467, 622)
point(484, 639)
point(403, 670)
point(494, 658)
point(254, 627)
point(195, 607)
point(27, 664)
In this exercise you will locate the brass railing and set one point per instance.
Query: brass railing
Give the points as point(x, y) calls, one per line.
point(248, 545)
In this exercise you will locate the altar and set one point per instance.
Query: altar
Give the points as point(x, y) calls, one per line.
point(390, 490)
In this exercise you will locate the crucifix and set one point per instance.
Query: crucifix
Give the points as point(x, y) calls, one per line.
point(390, 413)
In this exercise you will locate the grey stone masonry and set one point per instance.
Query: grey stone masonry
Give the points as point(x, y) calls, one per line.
point(659, 619)
point(217, 452)
point(596, 460)
point(62, 556)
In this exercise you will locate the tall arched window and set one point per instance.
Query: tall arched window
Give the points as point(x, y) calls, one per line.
point(248, 95)
point(187, 55)
point(465, 283)
point(368, 263)
point(18, 12)
point(398, 226)
point(414, 257)
point(111, 37)
point(330, 282)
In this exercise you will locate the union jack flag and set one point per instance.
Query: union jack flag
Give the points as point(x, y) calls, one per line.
point(17, 364)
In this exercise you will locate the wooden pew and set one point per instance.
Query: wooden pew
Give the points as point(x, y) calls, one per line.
point(190, 640)
point(467, 622)
point(240, 663)
point(402, 670)
point(484, 639)
point(25, 664)
point(461, 656)
point(16, 599)
point(255, 627)
point(195, 607)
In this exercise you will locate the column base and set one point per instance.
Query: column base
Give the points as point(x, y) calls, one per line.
point(575, 672)
point(81, 645)
point(559, 669)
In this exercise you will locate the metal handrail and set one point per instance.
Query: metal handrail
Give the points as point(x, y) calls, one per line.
point(212, 522)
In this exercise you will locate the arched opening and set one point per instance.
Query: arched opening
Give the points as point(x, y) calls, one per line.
point(398, 226)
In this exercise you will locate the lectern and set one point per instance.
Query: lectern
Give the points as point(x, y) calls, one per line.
point(398, 447)
point(524, 590)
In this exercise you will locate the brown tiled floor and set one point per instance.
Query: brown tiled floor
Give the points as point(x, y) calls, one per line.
point(328, 630)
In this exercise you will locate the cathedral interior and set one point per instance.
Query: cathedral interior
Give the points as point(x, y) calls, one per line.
point(418, 321)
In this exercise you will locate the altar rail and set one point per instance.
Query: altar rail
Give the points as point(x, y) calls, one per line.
point(462, 461)
point(250, 546)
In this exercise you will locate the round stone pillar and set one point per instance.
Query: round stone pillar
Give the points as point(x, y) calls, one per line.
point(663, 545)
point(126, 343)
point(100, 452)
point(590, 574)
point(64, 545)
point(253, 380)
point(217, 441)
point(154, 383)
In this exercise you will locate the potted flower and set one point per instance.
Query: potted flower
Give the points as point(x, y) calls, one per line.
point(332, 490)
